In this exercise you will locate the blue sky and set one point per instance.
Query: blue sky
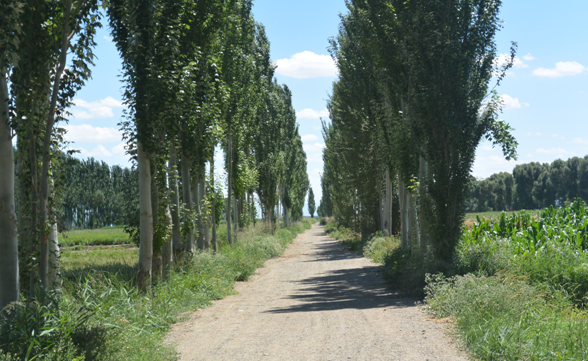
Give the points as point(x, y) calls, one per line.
point(545, 94)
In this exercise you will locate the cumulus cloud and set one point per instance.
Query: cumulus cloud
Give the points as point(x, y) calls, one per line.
point(536, 134)
point(558, 136)
point(99, 151)
point(562, 68)
point(100, 109)
point(120, 149)
point(504, 59)
point(314, 157)
point(512, 103)
point(560, 152)
point(316, 147)
point(90, 134)
point(309, 138)
point(307, 65)
point(109, 38)
point(312, 114)
point(529, 57)
point(484, 167)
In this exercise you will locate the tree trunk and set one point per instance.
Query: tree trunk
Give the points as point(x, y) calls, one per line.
point(412, 219)
point(168, 248)
point(197, 198)
point(213, 204)
point(175, 203)
point(279, 215)
point(204, 209)
point(9, 277)
point(423, 171)
point(235, 218)
point(230, 183)
point(157, 265)
point(403, 211)
point(187, 193)
point(146, 226)
point(50, 122)
point(286, 217)
point(54, 255)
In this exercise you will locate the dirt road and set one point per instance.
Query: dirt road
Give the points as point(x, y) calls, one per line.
point(316, 302)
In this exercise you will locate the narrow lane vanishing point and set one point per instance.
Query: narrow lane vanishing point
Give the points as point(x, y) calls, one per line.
point(316, 302)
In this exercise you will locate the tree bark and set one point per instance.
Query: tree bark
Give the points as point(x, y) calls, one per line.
point(157, 265)
point(403, 211)
point(197, 194)
point(43, 201)
point(204, 209)
point(175, 203)
point(235, 218)
point(423, 171)
point(54, 256)
point(186, 184)
point(144, 275)
point(286, 217)
point(9, 277)
point(230, 183)
point(168, 249)
point(213, 204)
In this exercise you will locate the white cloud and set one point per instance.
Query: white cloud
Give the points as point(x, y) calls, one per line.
point(484, 167)
point(90, 134)
point(120, 149)
point(307, 65)
point(316, 147)
point(109, 38)
point(504, 59)
point(580, 141)
point(529, 57)
point(99, 151)
point(562, 68)
point(312, 114)
point(309, 138)
point(537, 134)
point(553, 151)
point(314, 157)
point(558, 136)
point(512, 103)
point(100, 109)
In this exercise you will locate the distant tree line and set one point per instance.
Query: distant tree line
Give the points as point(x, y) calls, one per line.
point(530, 186)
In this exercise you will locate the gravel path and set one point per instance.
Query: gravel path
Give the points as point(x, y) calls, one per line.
point(316, 302)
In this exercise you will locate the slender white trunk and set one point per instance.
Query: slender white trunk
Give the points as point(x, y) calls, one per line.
point(54, 255)
point(204, 209)
point(197, 199)
point(423, 193)
point(146, 226)
point(213, 204)
point(168, 248)
point(187, 193)
point(50, 122)
point(412, 218)
point(279, 216)
point(157, 260)
point(286, 217)
point(230, 184)
point(175, 202)
point(235, 217)
point(9, 281)
point(403, 212)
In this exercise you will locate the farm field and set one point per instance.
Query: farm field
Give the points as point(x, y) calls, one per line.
point(94, 237)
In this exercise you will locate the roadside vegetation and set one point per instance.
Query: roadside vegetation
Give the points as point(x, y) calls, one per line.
point(517, 287)
point(102, 315)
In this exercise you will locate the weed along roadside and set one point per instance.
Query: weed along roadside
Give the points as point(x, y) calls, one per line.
point(103, 316)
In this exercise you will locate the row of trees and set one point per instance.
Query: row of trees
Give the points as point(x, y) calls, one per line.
point(530, 186)
point(197, 75)
point(410, 107)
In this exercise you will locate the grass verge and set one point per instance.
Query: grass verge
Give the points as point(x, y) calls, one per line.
point(102, 316)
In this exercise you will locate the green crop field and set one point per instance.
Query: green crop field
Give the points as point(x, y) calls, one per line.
point(94, 237)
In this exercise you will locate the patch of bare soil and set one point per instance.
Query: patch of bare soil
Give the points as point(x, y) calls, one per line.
point(317, 302)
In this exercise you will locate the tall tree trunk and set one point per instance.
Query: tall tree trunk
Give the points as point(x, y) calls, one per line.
point(412, 219)
point(54, 255)
point(168, 249)
point(235, 218)
point(146, 227)
point(286, 217)
point(423, 171)
point(204, 209)
point(403, 212)
point(279, 215)
point(50, 122)
point(9, 277)
point(230, 183)
point(175, 202)
point(187, 195)
point(157, 261)
point(213, 204)
point(197, 194)
point(388, 204)
point(34, 207)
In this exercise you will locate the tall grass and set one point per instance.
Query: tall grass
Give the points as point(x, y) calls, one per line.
point(119, 322)
point(94, 237)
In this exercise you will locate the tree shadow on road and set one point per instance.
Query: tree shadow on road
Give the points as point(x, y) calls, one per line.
point(355, 288)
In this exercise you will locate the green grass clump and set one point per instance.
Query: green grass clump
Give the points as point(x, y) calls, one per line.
point(505, 318)
point(94, 237)
point(103, 316)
